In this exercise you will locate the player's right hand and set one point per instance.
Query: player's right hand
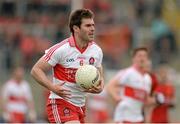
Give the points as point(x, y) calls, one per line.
point(61, 91)
point(95, 89)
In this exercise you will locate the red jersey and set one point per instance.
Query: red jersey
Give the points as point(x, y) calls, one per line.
point(160, 112)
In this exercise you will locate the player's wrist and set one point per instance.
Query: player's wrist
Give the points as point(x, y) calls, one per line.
point(51, 87)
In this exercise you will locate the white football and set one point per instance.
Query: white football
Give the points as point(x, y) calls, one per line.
point(87, 76)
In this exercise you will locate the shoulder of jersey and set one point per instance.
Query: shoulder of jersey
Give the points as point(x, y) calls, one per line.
point(9, 83)
point(94, 44)
point(129, 71)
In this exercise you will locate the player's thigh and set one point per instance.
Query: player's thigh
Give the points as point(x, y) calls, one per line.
point(74, 122)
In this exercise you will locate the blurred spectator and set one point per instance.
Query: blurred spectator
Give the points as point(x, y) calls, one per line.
point(103, 9)
point(8, 47)
point(165, 46)
point(140, 9)
point(27, 47)
point(61, 28)
point(60, 6)
point(8, 8)
point(159, 27)
point(17, 101)
point(165, 43)
point(166, 93)
point(35, 5)
point(158, 7)
point(36, 21)
point(115, 43)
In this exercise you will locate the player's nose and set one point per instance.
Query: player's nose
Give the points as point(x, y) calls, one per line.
point(92, 28)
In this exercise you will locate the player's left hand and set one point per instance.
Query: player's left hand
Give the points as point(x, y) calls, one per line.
point(95, 89)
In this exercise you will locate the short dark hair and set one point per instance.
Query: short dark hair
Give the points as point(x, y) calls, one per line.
point(77, 16)
point(140, 49)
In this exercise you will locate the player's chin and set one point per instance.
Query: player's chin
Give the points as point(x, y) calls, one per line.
point(91, 38)
point(142, 63)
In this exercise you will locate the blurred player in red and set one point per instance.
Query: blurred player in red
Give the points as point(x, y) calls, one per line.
point(17, 99)
point(98, 108)
point(66, 103)
point(130, 89)
point(166, 95)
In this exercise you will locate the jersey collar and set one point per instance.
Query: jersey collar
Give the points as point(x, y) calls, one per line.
point(72, 43)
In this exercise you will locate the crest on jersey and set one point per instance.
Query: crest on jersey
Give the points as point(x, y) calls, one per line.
point(91, 61)
point(66, 112)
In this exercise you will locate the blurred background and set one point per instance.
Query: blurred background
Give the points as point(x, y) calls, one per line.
point(28, 27)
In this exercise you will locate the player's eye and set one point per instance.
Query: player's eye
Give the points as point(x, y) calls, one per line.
point(89, 25)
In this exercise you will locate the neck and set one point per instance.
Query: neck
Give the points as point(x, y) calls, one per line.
point(17, 80)
point(138, 68)
point(79, 42)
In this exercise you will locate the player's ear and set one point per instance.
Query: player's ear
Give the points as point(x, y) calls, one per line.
point(75, 28)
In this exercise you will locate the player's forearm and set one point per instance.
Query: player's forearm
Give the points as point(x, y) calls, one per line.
point(3, 105)
point(114, 96)
point(102, 83)
point(39, 75)
point(112, 91)
point(32, 112)
point(102, 77)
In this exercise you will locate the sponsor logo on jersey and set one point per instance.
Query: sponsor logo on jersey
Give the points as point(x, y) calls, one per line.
point(70, 60)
